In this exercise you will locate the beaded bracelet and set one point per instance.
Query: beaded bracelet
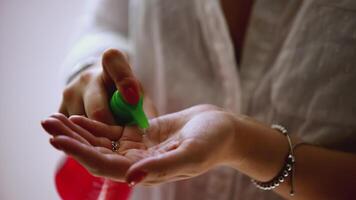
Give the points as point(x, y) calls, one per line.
point(287, 169)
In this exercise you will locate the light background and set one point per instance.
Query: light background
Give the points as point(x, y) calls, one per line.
point(35, 36)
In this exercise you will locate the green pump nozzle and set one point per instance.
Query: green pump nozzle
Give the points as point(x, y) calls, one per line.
point(126, 114)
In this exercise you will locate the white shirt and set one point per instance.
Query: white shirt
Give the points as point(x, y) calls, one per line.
point(298, 69)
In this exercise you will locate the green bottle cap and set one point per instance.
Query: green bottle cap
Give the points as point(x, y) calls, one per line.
point(126, 114)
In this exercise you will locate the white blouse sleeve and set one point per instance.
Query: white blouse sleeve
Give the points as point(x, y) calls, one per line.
point(104, 25)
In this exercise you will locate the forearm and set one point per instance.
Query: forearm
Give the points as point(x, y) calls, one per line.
point(319, 173)
point(323, 174)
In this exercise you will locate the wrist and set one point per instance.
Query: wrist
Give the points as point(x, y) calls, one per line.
point(234, 146)
point(258, 151)
point(240, 143)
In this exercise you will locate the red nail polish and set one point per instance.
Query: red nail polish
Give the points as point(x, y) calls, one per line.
point(136, 177)
point(130, 94)
point(54, 144)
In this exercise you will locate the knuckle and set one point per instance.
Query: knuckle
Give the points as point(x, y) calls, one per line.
point(76, 119)
point(85, 76)
point(98, 113)
point(68, 93)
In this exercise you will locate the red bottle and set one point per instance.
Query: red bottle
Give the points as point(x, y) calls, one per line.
point(74, 182)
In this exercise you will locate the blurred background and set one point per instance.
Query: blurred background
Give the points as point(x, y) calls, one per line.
point(35, 36)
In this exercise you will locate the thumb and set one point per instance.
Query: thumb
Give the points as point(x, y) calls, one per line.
point(117, 69)
point(159, 168)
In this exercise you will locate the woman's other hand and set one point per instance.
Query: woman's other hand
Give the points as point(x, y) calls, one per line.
point(89, 93)
point(190, 143)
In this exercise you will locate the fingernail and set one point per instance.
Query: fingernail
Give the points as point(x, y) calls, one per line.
point(54, 144)
point(43, 121)
point(136, 178)
point(130, 94)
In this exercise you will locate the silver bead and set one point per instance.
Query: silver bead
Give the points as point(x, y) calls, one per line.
point(289, 167)
point(291, 157)
point(285, 173)
point(281, 179)
point(276, 183)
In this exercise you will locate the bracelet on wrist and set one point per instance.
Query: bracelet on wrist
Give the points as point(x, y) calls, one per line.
point(287, 169)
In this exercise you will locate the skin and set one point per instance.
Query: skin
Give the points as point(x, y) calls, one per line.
point(89, 141)
point(89, 93)
point(179, 146)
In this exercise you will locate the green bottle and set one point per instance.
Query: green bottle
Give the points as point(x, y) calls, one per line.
point(126, 114)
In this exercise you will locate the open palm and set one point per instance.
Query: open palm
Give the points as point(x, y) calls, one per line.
point(176, 146)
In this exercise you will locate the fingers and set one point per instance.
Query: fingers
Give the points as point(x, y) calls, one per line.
point(163, 167)
point(97, 163)
point(130, 137)
point(87, 95)
point(90, 92)
point(98, 129)
point(56, 127)
point(118, 70)
point(95, 99)
point(58, 124)
point(93, 139)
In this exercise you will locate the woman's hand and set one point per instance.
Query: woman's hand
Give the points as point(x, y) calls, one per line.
point(89, 93)
point(90, 143)
point(185, 144)
point(190, 143)
point(176, 146)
